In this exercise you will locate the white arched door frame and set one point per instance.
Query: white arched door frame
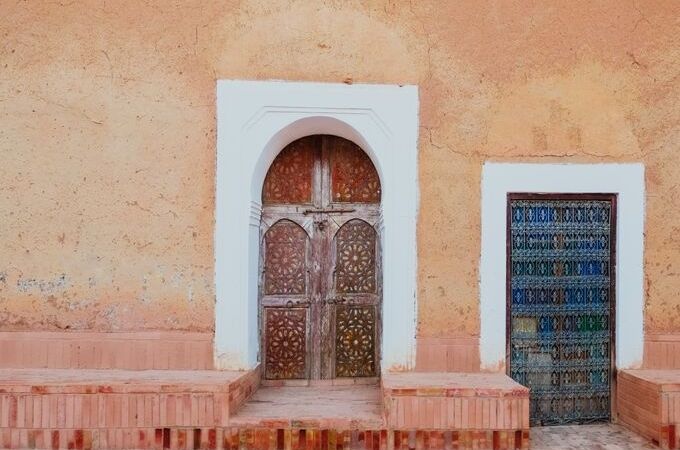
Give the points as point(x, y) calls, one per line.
point(256, 120)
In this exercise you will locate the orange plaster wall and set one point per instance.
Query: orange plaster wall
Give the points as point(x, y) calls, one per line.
point(108, 136)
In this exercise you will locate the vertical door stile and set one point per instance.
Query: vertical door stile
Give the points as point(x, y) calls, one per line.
point(327, 308)
point(317, 229)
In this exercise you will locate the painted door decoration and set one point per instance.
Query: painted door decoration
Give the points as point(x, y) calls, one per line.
point(320, 289)
point(560, 300)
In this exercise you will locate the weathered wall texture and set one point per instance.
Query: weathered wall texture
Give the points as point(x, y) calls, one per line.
point(108, 136)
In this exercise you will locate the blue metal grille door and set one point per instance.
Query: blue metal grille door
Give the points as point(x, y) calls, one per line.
point(560, 299)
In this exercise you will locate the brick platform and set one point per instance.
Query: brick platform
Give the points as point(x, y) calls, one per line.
point(648, 402)
point(116, 409)
point(480, 410)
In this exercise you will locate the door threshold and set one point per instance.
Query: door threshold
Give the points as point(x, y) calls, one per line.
point(366, 381)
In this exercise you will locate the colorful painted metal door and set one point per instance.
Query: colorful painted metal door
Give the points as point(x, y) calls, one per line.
point(561, 303)
point(320, 290)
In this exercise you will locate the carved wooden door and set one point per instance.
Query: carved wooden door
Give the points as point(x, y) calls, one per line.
point(320, 291)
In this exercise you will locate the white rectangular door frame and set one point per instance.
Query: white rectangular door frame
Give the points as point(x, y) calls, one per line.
point(626, 180)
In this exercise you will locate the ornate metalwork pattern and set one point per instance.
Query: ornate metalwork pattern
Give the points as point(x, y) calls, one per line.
point(355, 258)
point(285, 256)
point(355, 341)
point(285, 343)
point(560, 288)
point(354, 178)
point(289, 179)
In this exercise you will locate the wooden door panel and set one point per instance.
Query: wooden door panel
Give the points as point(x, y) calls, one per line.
point(353, 175)
point(286, 343)
point(285, 302)
point(289, 179)
point(355, 299)
point(355, 335)
point(285, 269)
point(355, 268)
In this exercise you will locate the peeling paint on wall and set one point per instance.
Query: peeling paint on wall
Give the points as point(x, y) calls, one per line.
point(42, 286)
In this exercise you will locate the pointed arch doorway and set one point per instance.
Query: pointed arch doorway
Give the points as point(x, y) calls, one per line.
point(320, 285)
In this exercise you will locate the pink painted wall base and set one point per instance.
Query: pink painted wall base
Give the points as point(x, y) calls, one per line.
point(144, 350)
point(450, 354)
point(662, 351)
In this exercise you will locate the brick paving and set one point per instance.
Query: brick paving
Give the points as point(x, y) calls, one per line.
point(595, 437)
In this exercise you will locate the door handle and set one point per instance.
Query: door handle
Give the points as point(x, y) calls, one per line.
point(327, 211)
point(296, 303)
point(336, 301)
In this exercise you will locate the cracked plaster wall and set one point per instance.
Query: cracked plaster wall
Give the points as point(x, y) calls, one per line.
point(108, 136)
